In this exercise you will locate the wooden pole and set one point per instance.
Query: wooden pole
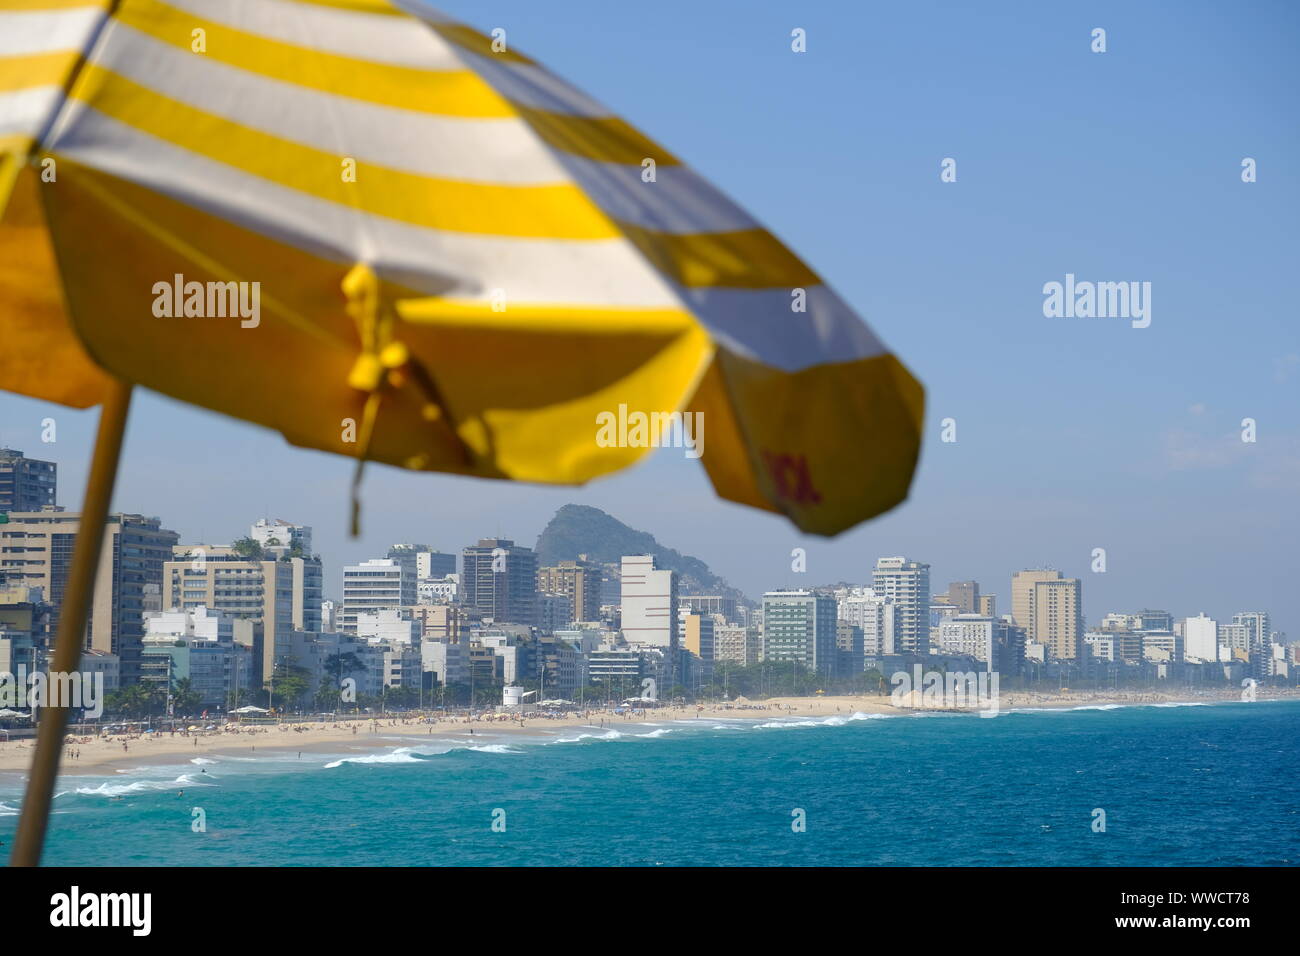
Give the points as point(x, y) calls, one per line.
point(73, 613)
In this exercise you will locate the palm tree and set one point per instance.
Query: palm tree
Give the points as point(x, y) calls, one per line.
point(185, 699)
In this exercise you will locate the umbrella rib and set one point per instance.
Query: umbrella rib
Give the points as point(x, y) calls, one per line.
point(204, 261)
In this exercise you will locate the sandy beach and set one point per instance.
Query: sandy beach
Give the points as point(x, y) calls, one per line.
point(108, 754)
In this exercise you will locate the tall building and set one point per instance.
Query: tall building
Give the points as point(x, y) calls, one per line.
point(36, 551)
point(724, 604)
point(1049, 607)
point(499, 578)
point(875, 616)
point(988, 605)
point(695, 632)
point(997, 644)
point(1258, 640)
point(308, 586)
point(580, 580)
point(1201, 638)
point(1058, 618)
point(1156, 620)
point(554, 612)
point(375, 585)
point(291, 543)
point(800, 626)
point(906, 584)
point(737, 643)
point(848, 644)
point(1022, 596)
point(435, 564)
point(649, 602)
point(26, 484)
point(242, 588)
point(408, 556)
point(965, 595)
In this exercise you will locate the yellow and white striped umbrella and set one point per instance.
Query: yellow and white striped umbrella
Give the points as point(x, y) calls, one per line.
point(461, 262)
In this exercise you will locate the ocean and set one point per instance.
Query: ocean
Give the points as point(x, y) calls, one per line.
point(1180, 785)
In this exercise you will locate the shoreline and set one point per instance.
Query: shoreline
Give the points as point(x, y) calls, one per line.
point(347, 738)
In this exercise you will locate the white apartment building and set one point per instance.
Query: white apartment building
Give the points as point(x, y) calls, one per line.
point(1201, 638)
point(875, 615)
point(906, 584)
point(649, 603)
point(375, 585)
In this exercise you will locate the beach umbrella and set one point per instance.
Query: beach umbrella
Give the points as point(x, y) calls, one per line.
point(389, 236)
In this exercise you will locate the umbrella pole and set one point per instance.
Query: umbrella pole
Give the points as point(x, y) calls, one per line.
point(72, 621)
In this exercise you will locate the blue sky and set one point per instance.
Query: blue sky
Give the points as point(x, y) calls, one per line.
point(1072, 434)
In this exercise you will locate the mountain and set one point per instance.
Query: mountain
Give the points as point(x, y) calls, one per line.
point(580, 529)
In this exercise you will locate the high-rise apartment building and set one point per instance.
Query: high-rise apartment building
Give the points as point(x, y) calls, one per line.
point(376, 585)
point(906, 584)
point(499, 578)
point(800, 626)
point(997, 644)
point(580, 580)
point(26, 484)
point(649, 602)
point(875, 616)
point(408, 556)
point(1156, 620)
point(695, 632)
point(1049, 607)
point(724, 604)
point(1201, 638)
point(965, 595)
point(1022, 596)
point(1257, 639)
point(36, 551)
point(435, 564)
point(244, 588)
point(737, 643)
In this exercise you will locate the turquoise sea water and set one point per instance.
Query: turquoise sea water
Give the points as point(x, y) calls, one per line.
point(1180, 786)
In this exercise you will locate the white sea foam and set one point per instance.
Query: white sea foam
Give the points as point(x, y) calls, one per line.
point(834, 720)
point(202, 760)
point(141, 786)
point(400, 755)
point(495, 749)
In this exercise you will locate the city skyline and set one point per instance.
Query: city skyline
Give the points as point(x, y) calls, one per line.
point(333, 571)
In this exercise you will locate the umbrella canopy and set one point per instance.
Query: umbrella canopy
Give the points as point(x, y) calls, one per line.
point(391, 237)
